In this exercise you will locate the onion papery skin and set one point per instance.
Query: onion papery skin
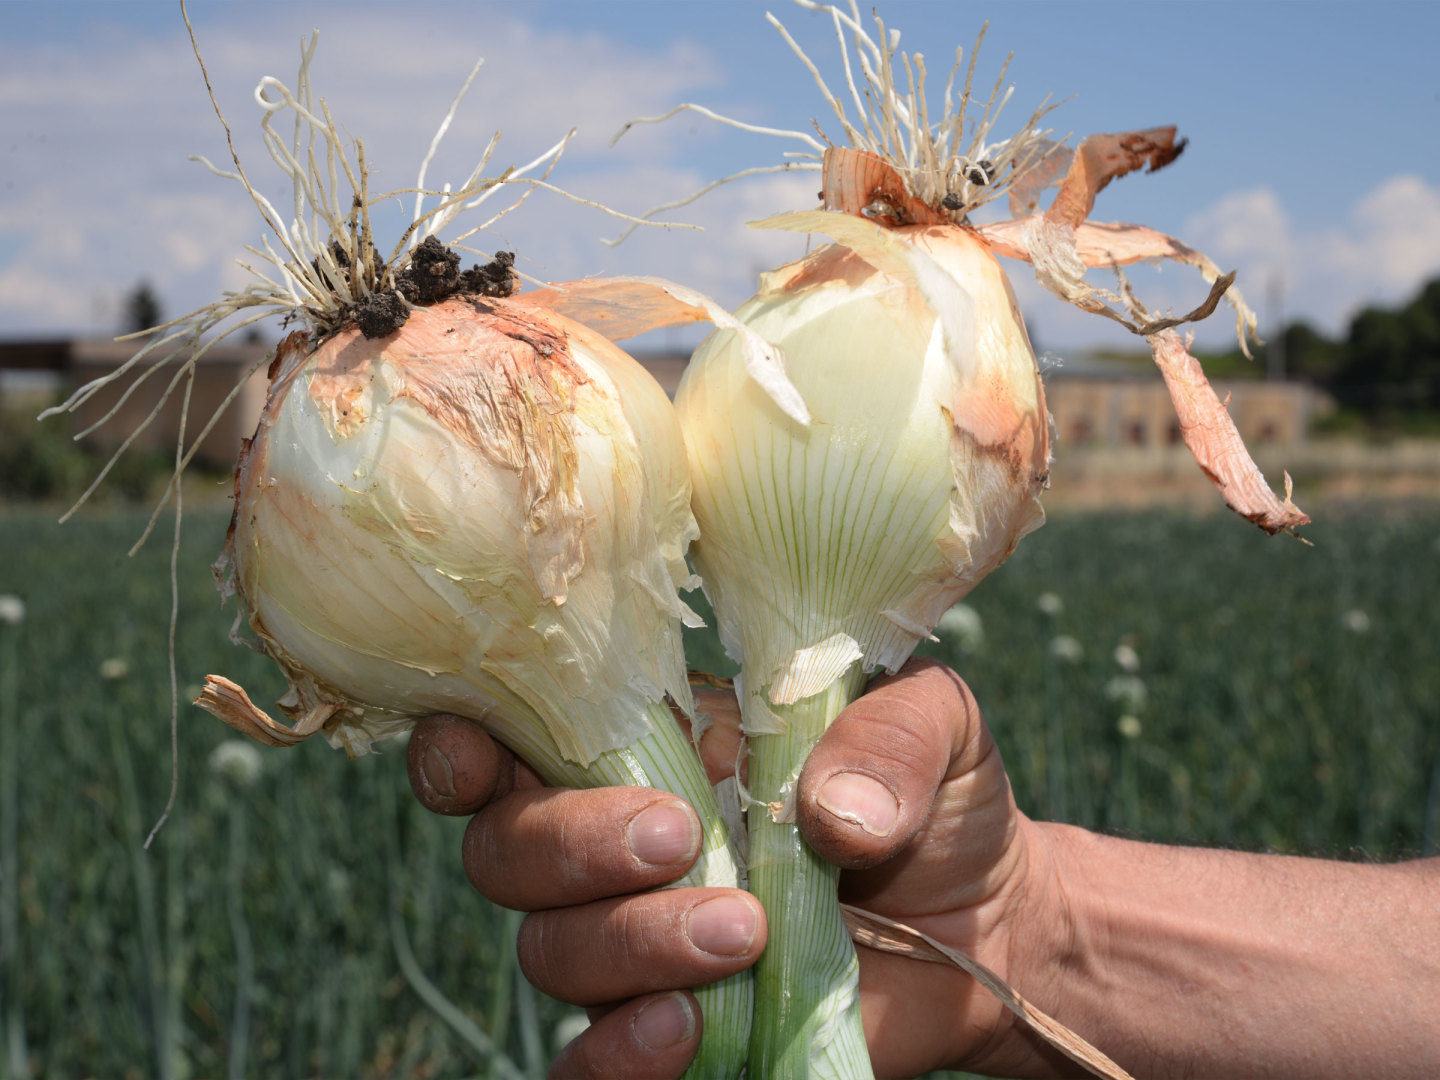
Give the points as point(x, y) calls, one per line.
point(918, 475)
point(831, 549)
point(485, 514)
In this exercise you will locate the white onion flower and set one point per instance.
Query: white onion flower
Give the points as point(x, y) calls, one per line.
point(238, 761)
point(12, 610)
point(1356, 621)
point(114, 668)
point(1066, 649)
point(963, 624)
point(1129, 690)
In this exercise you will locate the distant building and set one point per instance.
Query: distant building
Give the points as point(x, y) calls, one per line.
point(1110, 405)
point(217, 374)
point(73, 363)
point(1094, 403)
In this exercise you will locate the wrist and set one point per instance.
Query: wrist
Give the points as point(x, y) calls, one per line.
point(1048, 952)
point(1215, 963)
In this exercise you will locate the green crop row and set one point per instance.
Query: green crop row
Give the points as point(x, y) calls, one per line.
point(1180, 679)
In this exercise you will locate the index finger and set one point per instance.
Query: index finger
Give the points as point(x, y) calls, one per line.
point(455, 768)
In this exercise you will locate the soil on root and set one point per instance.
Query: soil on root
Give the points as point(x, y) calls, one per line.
point(433, 275)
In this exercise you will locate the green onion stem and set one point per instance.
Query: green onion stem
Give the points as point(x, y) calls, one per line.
point(244, 950)
point(665, 758)
point(807, 1004)
point(15, 1062)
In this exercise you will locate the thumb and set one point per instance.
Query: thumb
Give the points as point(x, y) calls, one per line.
point(868, 785)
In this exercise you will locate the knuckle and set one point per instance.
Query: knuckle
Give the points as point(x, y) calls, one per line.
point(588, 955)
point(622, 934)
point(895, 737)
point(482, 856)
point(542, 954)
point(925, 712)
point(907, 739)
point(537, 849)
point(573, 860)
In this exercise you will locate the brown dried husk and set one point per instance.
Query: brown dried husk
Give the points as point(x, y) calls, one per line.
point(508, 380)
point(505, 398)
point(1063, 244)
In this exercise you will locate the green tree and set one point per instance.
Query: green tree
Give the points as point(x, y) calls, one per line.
point(142, 309)
point(1309, 354)
point(1391, 359)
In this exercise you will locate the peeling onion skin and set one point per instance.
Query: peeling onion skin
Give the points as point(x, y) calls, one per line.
point(1063, 243)
point(485, 514)
point(929, 442)
point(1212, 438)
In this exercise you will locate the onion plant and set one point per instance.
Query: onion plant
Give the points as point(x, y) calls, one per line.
point(458, 499)
point(844, 508)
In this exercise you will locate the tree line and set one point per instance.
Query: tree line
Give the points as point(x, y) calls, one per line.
point(1385, 368)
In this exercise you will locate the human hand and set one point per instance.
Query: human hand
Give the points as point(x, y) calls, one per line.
point(580, 861)
point(906, 791)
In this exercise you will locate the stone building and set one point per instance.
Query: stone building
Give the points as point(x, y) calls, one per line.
point(74, 363)
point(1095, 404)
point(1110, 405)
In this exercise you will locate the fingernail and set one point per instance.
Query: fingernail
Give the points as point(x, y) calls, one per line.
point(664, 1022)
point(861, 800)
point(438, 775)
point(724, 926)
point(663, 834)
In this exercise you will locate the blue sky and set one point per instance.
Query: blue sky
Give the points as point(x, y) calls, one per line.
point(1313, 166)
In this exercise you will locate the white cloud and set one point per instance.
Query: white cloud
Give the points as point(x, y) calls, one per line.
point(98, 194)
point(95, 136)
point(1245, 225)
point(1380, 251)
point(1393, 244)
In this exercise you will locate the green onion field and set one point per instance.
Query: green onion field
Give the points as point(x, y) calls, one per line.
point(1175, 678)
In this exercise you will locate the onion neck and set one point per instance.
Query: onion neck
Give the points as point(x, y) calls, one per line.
point(665, 758)
point(807, 1005)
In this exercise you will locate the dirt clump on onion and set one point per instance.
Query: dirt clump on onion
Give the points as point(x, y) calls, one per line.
point(380, 314)
point(432, 277)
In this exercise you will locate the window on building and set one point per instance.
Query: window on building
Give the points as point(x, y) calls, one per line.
point(1135, 432)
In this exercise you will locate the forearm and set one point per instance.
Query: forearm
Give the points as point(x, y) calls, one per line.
point(1193, 962)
